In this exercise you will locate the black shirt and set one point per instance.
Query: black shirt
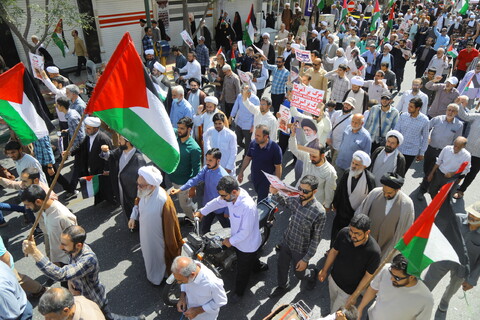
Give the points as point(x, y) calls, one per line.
point(352, 262)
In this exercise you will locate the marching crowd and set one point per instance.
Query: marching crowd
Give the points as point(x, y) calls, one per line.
point(350, 160)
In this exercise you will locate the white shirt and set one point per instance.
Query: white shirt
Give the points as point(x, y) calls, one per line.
point(449, 161)
point(58, 93)
point(267, 119)
point(438, 63)
point(389, 203)
point(244, 227)
point(193, 70)
point(91, 140)
point(336, 61)
point(402, 106)
point(205, 119)
point(205, 291)
point(226, 141)
point(336, 134)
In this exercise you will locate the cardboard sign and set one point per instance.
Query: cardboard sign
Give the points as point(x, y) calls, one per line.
point(303, 56)
point(284, 120)
point(186, 37)
point(260, 51)
point(240, 46)
point(306, 98)
point(37, 62)
point(281, 186)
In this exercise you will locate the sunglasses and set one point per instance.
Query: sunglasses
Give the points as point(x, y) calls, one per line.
point(396, 277)
point(316, 64)
point(305, 191)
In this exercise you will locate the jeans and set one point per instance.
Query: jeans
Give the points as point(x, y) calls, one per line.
point(436, 272)
point(27, 313)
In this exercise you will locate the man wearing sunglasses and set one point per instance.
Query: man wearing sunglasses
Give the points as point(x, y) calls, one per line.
point(303, 234)
point(400, 296)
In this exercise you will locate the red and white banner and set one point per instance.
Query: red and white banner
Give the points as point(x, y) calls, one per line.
point(306, 98)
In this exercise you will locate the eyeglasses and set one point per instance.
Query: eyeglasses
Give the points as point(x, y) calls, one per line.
point(397, 278)
point(305, 191)
point(316, 64)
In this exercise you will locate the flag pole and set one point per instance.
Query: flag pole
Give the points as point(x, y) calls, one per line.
point(57, 174)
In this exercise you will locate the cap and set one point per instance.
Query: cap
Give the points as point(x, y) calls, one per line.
point(452, 80)
point(314, 32)
point(474, 209)
point(351, 101)
point(386, 95)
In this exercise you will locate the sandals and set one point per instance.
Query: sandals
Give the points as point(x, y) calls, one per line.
point(458, 195)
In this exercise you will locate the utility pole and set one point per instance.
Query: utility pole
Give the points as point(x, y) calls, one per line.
point(147, 12)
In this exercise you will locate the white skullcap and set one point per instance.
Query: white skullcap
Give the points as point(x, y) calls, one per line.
point(358, 81)
point(295, 46)
point(341, 50)
point(266, 34)
point(93, 122)
point(452, 80)
point(331, 36)
point(397, 135)
point(472, 16)
point(211, 99)
point(324, 23)
point(159, 67)
point(388, 46)
point(53, 69)
point(314, 32)
point(151, 174)
point(149, 51)
point(364, 157)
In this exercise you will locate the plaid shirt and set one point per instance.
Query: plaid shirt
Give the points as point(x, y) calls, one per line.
point(340, 86)
point(202, 55)
point(415, 134)
point(83, 271)
point(73, 118)
point(147, 43)
point(388, 120)
point(279, 80)
point(306, 225)
point(43, 151)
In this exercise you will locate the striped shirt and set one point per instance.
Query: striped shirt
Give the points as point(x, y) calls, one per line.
point(279, 80)
point(388, 120)
point(415, 134)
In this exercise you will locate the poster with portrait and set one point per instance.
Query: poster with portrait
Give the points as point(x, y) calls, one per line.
point(37, 62)
point(284, 119)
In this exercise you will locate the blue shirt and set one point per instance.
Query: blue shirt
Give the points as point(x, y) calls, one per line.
point(279, 79)
point(14, 299)
point(179, 110)
point(78, 105)
point(210, 178)
point(243, 117)
point(415, 134)
point(264, 159)
point(442, 41)
point(43, 151)
point(352, 142)
point(370, 60)
point(180, 61)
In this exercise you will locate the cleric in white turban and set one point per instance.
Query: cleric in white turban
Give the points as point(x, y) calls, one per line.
point(204, 116)
point(93, 122)
point(387, 158)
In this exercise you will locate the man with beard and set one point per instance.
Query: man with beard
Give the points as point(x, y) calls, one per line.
point(261, 113)
point(189, 165)
point(401, 54)
point(160, 237)
point(224, 139)
point(302, 236)
point(445, 94)
point(150, 59)
point(464, 59)
point(330, 51)
point(353, 187)
point(357, 92)
point(205, 113)
point(57, 218)
point(381, 119)
point(387, 158)
point(399, 295)
point(390, 211)
point(245, 233)
point(210, 175)
point(354, 138)
point(354, 257)
point(230, 89)
point(193, 68)
point(162, 84)
point(196, 97)
point(124, 163)
point(340, 121)
point(356, 64)
point(408, 95)
point(317, 74)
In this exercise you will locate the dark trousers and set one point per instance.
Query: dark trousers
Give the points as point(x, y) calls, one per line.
point(260, 93)
point(277, 100)
point(204, 69)
point(408, 162)
point(208, 220)
point(438, 182)
point(64, 125)
point(262, 188)
point(428, 162)
point(283, 141)
point(399, 75)
point(228, 109)
point(287, 258)
point(471, 175)
point(338, 224)
point(241, 135)
point(81, 61)
point(420, 69)
point(246, 263)
point(61, 179)
point(460, 74)
point(369, 76)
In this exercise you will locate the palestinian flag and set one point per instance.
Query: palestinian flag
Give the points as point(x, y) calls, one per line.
point(462, 6)
point(22, 106)
point(233, 60)
point(89, 186)
point(127, 101)
point(452, 52)
point(344, 12)
point(390, 4)
point(435, 235)
point(249, 33)
point(391, 17)
point(59, 38)
point(321, 5)
point(375, 17)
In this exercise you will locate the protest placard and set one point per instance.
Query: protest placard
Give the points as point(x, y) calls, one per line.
point(284, 119)
point(303, 56)
point(260, 51)
point(37, 62)
point(281, 186)
point(186, 37)
point(243, 76)
point(306, 98)
point(240, 46)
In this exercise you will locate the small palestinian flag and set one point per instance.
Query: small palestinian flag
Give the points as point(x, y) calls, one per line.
point(452, 52)
point(233, 61)
point(59, 38)
point(376, 15)
point(89, 185)
point(22, 106)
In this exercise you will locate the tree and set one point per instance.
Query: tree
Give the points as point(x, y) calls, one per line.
point(49, 13)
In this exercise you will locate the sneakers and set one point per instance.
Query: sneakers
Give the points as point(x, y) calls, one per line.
point(313, 280)
point(279, 291)
point(71, 195)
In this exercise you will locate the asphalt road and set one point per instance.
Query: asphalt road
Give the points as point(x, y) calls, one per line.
point(123, 273)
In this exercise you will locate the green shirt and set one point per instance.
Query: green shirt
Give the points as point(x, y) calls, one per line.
point(189, 165)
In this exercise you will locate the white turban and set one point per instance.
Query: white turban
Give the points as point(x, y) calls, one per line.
point(396, 134)
point(211, 99)
point(342, 51)
point(364, 157)
point(325, 23)
point(358, 81)
point(52, 69)
point(151, 174)
point(159, 67)
point(93, 122)
point(265, 34)
point(295, 46)
point(388, 46)
point(149, 51)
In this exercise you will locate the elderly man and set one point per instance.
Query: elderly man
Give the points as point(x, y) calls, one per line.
point(160, 237)
point(339, 59)
point(72, 92)
point(340, 120)
point(261, 113)
point(330, 51)
point(357, 92)
point(205, 113)
point(353, 187)
point(446, 93)
point(469, 228)
point(245, 233)
point(381, 119)
point(439, 62)
point(313, 43)
point(193, 69)
point(408, 95)
point(267, 47)
point(448, 162)
point(355, 137)
point(202, 293)
point(390, 210)
point(180, 106)
point(385, 57)
point(370, 56)
point(230, 90)
point(224, 139)
point(444, 130)
point(387, 158)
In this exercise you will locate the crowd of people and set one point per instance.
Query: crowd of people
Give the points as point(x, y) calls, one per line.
point(350, 160)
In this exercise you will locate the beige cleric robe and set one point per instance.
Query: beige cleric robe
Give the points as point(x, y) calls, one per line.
point(387, 228)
